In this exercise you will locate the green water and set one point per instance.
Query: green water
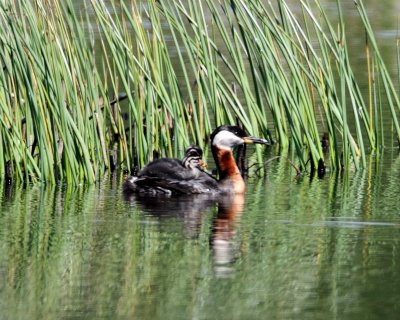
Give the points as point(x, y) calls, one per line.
point(291, 248)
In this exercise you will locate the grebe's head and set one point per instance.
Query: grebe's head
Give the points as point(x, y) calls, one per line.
point(193, 158)
point(227, 137)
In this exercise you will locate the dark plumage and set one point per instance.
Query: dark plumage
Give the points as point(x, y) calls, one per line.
point(172, 176)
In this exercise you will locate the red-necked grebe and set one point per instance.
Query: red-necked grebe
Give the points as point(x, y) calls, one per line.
point(172, 176)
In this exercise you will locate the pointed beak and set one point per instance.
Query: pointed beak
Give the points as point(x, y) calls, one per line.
point(202, 165)
point(249, 140)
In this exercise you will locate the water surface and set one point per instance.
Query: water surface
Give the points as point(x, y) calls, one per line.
point(291, 248)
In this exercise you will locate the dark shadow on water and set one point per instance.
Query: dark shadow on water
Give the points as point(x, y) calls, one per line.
point(177, 206)
point(191, 209)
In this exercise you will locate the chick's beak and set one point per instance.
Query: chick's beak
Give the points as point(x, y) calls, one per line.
point(202, 165)
point(249, 140)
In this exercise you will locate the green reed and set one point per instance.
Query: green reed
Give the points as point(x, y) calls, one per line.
point(184, 67)
point(53, 126)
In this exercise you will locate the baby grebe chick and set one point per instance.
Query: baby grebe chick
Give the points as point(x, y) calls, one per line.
point(193, 158)
point(172, 176)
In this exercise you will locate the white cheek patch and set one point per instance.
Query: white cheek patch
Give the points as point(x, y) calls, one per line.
point(226, 139)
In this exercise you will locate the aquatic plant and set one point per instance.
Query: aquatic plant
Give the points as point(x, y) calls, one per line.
point(184, 67)
point(53, 102)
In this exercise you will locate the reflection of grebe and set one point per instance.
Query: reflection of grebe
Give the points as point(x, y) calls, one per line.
point(170, 176)
point(225, 240)
point(224, 236)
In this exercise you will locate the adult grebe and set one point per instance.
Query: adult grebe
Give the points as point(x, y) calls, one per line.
point(170, 176)
point(223, 139)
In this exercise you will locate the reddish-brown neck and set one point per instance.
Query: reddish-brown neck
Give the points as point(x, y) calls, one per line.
point(230, 178)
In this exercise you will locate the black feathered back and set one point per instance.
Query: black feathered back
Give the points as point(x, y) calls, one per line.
point(173, 176)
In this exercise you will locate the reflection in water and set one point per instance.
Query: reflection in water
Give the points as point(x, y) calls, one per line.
point(290, 248)
point(191, 210)
point(224, 230)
